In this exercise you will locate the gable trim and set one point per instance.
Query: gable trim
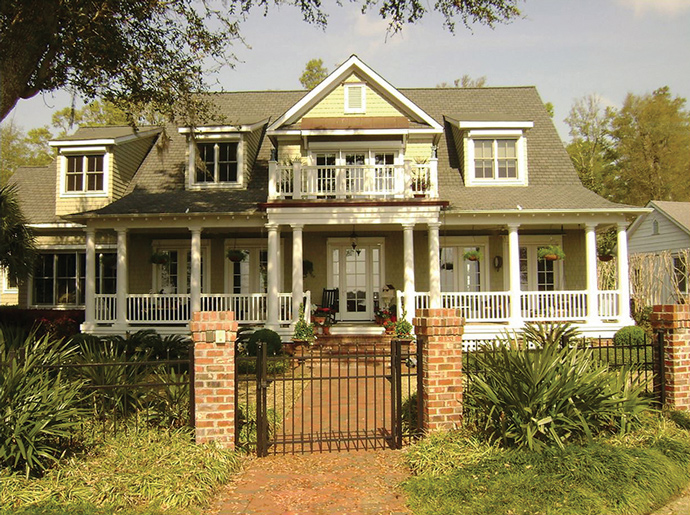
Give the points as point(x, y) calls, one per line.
point(329, 83)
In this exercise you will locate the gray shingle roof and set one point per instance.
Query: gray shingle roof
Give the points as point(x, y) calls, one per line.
point(36, 191)
point(678, 211)
point(107, 132)
point(159, 185)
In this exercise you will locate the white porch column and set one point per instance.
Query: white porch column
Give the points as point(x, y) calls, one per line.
point(434, 270)
point(297, 270)
point(90, 287)
point(514, 275)
point(272, 277)
point(122, 279)
point(195, 279)
point(591, 265)
point(623, 278)
point(408, 260)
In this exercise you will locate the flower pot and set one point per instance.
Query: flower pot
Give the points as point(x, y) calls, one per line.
point(318, 319)
point(550, 257)
point(472, 258)
point(605, 257)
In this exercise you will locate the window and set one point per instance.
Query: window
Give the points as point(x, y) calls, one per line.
point(84, 173)
point(459, 274)
point(60, 278)
point(217, 163)
point(355, 99)
point(495, 159)
point(537, 274)
point(250, 274)
point(655, 228)
point(174, 276)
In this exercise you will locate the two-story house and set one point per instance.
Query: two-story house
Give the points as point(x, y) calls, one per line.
point(354, 185)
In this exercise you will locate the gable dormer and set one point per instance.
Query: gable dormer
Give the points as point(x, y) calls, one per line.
point(95, 165)
point(494, 152)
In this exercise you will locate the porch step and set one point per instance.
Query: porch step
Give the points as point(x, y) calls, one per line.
point(354, 343)
point(356, 329)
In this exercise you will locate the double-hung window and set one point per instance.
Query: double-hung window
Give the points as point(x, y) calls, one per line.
point(84, 173)
point(495, 159)
point(217, 163)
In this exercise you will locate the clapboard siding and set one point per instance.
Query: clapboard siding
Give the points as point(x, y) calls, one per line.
point(670, 236)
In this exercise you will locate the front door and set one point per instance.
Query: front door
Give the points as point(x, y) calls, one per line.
point(357, 274)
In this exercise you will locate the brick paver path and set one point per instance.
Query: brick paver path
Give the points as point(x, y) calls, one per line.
point(353, 483)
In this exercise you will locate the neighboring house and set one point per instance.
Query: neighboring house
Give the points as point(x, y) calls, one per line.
point(9, 289)
point(659, 244)
point(368, 184)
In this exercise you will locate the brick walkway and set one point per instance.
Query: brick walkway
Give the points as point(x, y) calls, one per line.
point(353, 483)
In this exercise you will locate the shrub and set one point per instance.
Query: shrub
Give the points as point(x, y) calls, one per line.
point(168, 405)
point(39, 406)
point(541, 334)
point(630, 335)
point(549, 395)
point(270, 338)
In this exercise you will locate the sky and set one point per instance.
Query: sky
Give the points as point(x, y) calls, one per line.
point(566, 48)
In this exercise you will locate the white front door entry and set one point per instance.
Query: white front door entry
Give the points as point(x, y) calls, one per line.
point(357, 273)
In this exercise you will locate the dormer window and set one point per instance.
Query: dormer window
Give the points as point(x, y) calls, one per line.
point(84, 173)
point(217, 163)
point(495, 159)
point(355, 99)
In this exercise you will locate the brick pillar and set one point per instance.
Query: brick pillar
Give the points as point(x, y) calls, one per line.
point(439, 332)
point(674, 319)
point(213, 334)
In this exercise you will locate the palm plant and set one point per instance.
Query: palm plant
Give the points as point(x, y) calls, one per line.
point(17, 244)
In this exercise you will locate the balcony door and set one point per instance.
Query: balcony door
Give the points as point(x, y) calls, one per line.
point(357, 273)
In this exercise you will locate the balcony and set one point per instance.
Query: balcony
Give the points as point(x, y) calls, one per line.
point(297, 181)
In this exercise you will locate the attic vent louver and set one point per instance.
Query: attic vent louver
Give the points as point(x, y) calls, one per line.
point(354, 98)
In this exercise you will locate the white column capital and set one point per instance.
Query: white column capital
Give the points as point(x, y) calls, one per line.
point(272, 226)
point(408, 225)
point(434, 225)
point(622, 226)
point(195, 228)
point(591, 226)
point(512, 226)
point(297, 227)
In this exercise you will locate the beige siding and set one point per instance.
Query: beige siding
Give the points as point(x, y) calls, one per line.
point(252, 143)
point(670, 236)
point(575, 263)
point(418, 152)
point(126, 161)
point(286, 153)
point(139, 269)
point(496, 276)
point(333, 105)
point(77, 204)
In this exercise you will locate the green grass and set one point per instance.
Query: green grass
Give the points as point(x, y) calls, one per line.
point(634, 474)
point(144, 473)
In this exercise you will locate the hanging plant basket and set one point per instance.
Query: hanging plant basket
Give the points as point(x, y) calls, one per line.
point(605, 257)
point(472, 255)
point(236, 255)
point(160, 258)
point(551, 253)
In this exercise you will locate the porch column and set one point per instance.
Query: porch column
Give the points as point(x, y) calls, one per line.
point(122, 280)
point(90, 287)
point(591, 265)
point(623, 279)
point(434, 270)
point(195, 279)
point(297, 270)
point(408, 263)
point(514, 275)
point(272, 277)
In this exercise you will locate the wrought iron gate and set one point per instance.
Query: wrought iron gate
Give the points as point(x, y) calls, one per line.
point(360, 396)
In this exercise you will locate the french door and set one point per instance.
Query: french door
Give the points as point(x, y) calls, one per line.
point(356, 272)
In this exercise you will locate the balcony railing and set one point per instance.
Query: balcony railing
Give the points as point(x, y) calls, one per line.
point(352, 181)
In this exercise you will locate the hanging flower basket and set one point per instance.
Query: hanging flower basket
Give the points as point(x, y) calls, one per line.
point(236, 255)
point(160, 258)
point(551, 253)
point(605, 257)
point(472, 255)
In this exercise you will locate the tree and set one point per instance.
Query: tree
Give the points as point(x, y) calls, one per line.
point(19, 149)
point(137, 54)
point(465, 82)
point(589, 144)
point(17, 247)
point(650, 151)
point(314, 72)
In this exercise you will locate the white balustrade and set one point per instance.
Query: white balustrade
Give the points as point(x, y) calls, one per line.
point(249, 308)
point(473, 306)
point(553, 305)
point(105, 308)
point(158, 308)
point(608, 304)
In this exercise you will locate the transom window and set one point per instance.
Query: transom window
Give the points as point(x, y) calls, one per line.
point(84, 173)
point(495, 159)
point(217, 163)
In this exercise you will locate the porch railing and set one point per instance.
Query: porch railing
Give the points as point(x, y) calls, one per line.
point(352, 181)
point(106, 307)
point(474, 306)
point(553, 305)
point(158, 308)
point(608, 304)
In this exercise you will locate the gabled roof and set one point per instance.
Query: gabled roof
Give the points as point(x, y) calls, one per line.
point(677, 213)
point(354, 66)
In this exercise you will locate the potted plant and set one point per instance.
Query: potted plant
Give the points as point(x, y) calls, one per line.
point(236, 255)
point(419, 185)
point(605, 247)
point(160, 258)
point(303, 332)
point(307, 268)
point(550, 253)
point(402, 328)
point(472, 255)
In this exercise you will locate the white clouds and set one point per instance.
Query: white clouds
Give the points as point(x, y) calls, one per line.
point(659, 7)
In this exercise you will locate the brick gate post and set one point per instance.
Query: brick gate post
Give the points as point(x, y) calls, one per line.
point(213, 336)
point(439, 332)
point(674, 319)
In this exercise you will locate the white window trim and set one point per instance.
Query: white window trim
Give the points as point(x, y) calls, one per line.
point(6, 289)
point(213, 138)
point(363, 91)
point(460, 242)
point(84, 151)
point(369, 151)
point(182, 247)
point(533, 242)
point(255, 245)
point(521, 155)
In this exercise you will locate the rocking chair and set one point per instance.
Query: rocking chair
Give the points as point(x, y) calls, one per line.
point(329, 303)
